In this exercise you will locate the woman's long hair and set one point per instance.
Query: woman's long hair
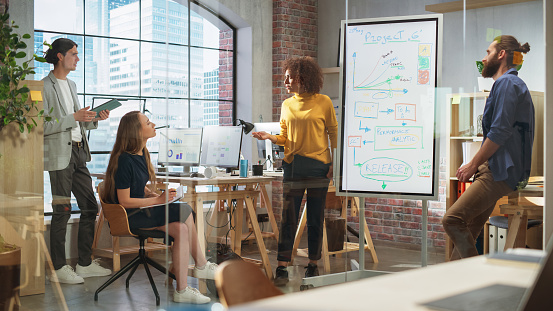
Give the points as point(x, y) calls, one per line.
point(129, 139)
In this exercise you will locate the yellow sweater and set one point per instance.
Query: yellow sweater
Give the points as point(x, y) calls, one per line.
point(307, 121)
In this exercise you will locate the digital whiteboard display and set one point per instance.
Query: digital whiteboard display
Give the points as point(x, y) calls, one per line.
point(389, 76)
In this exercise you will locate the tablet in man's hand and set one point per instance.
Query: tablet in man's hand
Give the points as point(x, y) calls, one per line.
point(109, 105)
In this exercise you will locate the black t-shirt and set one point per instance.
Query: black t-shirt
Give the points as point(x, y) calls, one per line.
point(132, 172)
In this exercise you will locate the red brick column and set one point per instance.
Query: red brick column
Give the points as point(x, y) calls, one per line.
point(294, 34)
point(226, 61)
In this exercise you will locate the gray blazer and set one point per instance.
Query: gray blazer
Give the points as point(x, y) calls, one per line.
point(57, 133)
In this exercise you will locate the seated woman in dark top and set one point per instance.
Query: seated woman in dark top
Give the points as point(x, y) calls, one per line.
point(128, 171)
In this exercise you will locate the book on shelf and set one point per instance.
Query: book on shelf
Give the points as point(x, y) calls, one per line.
point(462, 187)
point(470, 148)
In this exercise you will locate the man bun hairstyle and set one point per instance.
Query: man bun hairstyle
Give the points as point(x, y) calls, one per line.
point(61, 45)
point(513, 49)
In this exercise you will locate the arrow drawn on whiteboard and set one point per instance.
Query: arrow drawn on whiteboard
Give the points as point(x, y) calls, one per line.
point(356, 164)
point(367, 141)
point(390, 110)
point(404, 124)
point(366, 129)
point(384, 185)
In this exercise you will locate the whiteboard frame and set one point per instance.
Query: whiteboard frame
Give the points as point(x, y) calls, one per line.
point(338, 165)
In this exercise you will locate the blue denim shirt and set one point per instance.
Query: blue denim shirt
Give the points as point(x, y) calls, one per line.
point(508, 121)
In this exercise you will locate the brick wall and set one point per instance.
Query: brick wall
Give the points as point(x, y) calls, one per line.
point(294, 34)
point(401, 220)
point(226, 66)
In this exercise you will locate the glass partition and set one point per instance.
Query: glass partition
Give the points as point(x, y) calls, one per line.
point(401, 78)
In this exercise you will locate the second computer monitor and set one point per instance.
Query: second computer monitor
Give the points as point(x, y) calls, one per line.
point(262, 146)
point(221, 146)
point(180, 146)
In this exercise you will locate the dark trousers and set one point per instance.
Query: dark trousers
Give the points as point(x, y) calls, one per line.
point(301, 175)
point(74, 178)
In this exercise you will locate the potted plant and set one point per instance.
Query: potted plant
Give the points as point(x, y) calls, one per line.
point(10, 267)
point(14, 107)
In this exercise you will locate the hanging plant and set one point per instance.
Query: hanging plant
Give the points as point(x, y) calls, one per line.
point(14, 93)
point(480, 66)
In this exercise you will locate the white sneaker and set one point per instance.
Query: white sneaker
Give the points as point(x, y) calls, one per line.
point(190, 295)
point(94, 269)
point(66, 275)
point(207, 272)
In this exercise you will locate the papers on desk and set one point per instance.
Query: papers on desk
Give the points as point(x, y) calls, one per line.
point(180, 194)
point(518, 257)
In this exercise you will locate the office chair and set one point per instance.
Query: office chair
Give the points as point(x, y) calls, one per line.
point(239, 281)
point(116, 216)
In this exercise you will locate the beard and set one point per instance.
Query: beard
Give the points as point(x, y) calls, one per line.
point(491, 67)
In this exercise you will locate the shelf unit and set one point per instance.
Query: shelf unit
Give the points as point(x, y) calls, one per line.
point(454, 6)
point(455, 139)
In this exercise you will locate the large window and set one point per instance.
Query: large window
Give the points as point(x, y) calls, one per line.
point(173, 60)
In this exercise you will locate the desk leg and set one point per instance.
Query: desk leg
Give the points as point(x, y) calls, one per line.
point(326, 259)
point(269, 205)
point(250, 208)
point(299, 233)
point(236, 234)
point(200, 223)
point(516, 235)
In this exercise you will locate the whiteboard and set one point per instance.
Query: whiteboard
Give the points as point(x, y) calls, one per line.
point(389, 74)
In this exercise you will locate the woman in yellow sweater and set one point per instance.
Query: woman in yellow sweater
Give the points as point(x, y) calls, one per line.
point(307, 124)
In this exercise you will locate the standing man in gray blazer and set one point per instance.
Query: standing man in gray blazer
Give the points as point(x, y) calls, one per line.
point(65, 155)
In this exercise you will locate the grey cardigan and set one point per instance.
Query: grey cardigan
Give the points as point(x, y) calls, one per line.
point(57, 132)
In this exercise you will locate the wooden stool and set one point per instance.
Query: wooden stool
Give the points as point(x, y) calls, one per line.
point(524, 203)
point(348, 246)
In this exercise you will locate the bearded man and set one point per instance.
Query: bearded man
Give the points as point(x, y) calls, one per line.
point(503, 162)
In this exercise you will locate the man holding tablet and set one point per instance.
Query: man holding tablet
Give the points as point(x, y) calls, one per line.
point(66, 152)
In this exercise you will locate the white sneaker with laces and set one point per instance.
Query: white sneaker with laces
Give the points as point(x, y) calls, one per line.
point(190, 295)
point(207, 272)
point(94, 269)
point(66, 275)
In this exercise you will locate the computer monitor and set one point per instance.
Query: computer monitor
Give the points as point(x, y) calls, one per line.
point(180, 147)
point(221, 146)
point(266, 148)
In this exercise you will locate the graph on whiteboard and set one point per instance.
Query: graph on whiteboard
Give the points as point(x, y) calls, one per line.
point(389, 72)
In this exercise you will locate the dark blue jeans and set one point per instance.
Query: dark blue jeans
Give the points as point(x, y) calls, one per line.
point(301, 175)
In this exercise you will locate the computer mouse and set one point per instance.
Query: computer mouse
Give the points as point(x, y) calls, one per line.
point(194, 174)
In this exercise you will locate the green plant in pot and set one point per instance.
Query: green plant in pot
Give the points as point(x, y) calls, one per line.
point(14, 107)
point(10, 267)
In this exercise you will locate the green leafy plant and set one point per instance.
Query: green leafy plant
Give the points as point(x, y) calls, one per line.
point(13, 93)
point(4, 247)
point(480, 66)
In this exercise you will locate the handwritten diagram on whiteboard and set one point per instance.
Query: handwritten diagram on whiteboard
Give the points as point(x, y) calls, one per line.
point(389, 71)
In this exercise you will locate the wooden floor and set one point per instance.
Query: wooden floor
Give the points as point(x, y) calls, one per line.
point(140, 296)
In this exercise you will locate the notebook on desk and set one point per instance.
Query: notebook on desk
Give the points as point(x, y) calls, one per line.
point(503, 297)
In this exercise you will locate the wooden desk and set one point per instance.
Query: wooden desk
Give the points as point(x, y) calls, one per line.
point(254, 188)
point(523, 204)
point(403, 290)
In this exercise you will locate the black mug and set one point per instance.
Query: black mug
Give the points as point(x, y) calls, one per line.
point(257, 170)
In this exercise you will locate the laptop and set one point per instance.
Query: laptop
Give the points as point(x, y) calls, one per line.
point(503, 297)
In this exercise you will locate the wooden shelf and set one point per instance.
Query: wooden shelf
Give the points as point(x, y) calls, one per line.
point(331, 70)
point(454, 6)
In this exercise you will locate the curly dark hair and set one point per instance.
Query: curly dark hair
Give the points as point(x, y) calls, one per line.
point(307, 71)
